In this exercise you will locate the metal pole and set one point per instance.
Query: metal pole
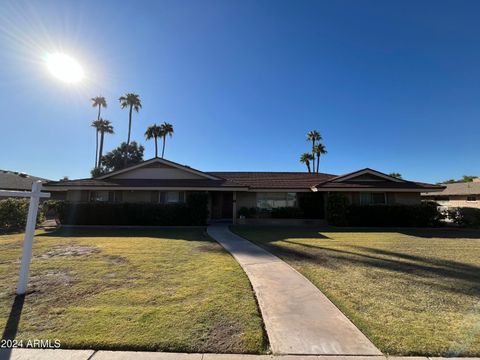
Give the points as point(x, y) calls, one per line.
point(28, 240)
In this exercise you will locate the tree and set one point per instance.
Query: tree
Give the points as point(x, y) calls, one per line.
point(395, 175)
point(464, 179)
point(313, 136)
point(105, 128)
point(132, 102)
point(97, 101)
point(96, 124)
point(305, 158)
point(167, 129)
point(121, 157)
point(319, 150)
point(154, 132)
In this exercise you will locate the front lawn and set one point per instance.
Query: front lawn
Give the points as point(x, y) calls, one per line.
point(412, 292)
point(169, 290)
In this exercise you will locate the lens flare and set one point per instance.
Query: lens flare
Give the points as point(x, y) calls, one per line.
point(64, 67)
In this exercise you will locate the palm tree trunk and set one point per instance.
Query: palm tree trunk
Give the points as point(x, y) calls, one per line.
point(308, 167)
point(318, 162)
point(129, 124)
point(101, 148)
point(96, 148)
point(156, 147)
point(99, 108)
point(313, 154)
point(163, 149)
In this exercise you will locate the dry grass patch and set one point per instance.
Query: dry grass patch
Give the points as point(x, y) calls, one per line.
point(412, 292)
point(169, 290)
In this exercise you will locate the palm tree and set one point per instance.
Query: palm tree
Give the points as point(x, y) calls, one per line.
point(305, 159)
point(154, 132)
point(167, 129)
point(105, 128)
point(96, 124)
point(313, 136)
point(319, 149)
point(132, 101)
point(100, 102)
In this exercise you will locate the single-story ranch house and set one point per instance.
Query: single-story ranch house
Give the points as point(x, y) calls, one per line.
point(162, 181)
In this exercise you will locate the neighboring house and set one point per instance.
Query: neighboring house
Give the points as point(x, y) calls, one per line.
point(14, 180)
point(465, 194)
point(162, 181)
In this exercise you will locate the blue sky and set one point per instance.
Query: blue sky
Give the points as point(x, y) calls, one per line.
point(392, 85)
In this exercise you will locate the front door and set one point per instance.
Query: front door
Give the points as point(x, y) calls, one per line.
point(222, 205)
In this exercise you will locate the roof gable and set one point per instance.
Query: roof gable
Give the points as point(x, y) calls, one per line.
point(157, 168)
point(366, 175)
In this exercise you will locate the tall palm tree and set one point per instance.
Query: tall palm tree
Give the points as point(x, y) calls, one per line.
point(96, 124)
point(305, 158)
point(319, 149)
point(313, 136)
point(167, 129)
point(105, 128)
point(154, 132)
point(131, 101)
point(97, 101)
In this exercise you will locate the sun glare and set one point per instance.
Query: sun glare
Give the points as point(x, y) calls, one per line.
point(64, 67)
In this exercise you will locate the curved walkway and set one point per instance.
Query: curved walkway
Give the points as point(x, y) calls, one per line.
point(298, 317)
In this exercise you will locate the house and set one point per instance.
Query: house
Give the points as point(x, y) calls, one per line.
point(465, 194)
point(162, 181)
point(17, 181)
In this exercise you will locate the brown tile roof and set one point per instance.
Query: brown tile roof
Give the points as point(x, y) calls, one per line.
point(468, 188)
point(13, 180)
point(273, 180)
point(378, 184)
point(140, 183)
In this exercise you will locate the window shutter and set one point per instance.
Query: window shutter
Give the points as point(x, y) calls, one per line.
point(162, 197)
point(111, 196)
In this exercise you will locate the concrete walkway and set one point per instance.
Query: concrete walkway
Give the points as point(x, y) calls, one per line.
point(298, 317)
point(39, 354)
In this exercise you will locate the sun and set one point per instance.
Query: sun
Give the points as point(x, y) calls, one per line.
point(64, 67)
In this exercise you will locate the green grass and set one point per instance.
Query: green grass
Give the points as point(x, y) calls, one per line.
point(169, 290)
point(412, 292)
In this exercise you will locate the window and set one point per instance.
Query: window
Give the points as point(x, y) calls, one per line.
point(172, 197)
point(471, 198)
point(269, 201)
point(375, 198)
point(99, 196)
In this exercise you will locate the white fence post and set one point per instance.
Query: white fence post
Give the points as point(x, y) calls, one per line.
point(28, 240)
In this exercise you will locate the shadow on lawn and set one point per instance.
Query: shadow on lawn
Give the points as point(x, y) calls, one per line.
point(11, 327)
point(447, 275)
point(173, 233)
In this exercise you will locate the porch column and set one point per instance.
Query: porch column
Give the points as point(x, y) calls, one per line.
point(234, 204)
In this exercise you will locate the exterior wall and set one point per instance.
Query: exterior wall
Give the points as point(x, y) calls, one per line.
point(457, 201)
point(407, 198)
point(157, 173)
point(77, 195)
point(58, 195)
point(136, 196)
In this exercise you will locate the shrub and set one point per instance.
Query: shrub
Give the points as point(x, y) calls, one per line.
point(247, 212)
point(337, 208)
point(465, 216)
point(426, 214)
point(13, 214)
point(193, 212)
point(288, 212)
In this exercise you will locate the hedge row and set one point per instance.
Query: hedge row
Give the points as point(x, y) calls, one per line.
point(193, 212)
point(340, 213)
point(465, 216)
point(13, 214)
